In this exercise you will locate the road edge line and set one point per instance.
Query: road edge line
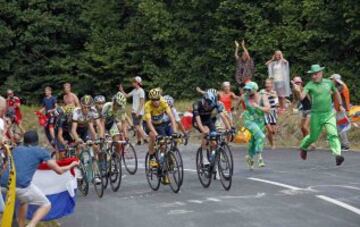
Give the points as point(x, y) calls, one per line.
point(339, 203)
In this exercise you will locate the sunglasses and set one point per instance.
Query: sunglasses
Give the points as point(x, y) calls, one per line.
point(154, 100)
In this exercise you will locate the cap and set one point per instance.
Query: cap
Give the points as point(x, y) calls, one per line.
point(138, 80)
point(226, 84)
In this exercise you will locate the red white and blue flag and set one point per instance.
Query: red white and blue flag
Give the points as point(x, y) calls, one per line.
point(59, 189)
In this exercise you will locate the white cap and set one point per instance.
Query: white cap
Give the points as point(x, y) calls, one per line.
point(226, 84)
point(138, 80)
point(337, 78)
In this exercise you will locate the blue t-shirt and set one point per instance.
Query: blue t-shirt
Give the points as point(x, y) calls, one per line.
point(27, 160)
point(49, 103)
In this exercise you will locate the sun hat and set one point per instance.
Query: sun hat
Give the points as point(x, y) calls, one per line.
point(315, 68)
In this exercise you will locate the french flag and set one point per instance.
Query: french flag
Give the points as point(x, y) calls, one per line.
point(59, 189)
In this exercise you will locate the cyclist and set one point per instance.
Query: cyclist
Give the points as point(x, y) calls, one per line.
point(170, 101)
point(63, 126)
point(83, 120)
point(205, 113)
point(219, 124)
point(154, 124)
point(114, 117)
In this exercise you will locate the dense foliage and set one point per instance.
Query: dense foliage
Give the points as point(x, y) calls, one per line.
point(175, 44)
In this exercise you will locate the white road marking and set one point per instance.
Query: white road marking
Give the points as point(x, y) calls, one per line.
point(275, 183)
point(258, 195)
point(335, 186)
point(340, 204)
point(195, 201)
point(171, 212)
point(213, 199)
point(175, 204)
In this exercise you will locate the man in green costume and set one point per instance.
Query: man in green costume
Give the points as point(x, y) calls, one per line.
point(322, 113)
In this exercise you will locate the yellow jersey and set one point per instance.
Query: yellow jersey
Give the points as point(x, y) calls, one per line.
point(156, 114)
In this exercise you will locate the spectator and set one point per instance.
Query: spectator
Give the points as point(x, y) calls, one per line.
point(27, 159)
point(271, 117)
point(345, 95)
point(13, 106)
point(226, 96)
point(70, 99)
point(245, 68)
point(2, 136)
point(49, 109)
point(279, 71)
point(137, 110)
point(304, 107)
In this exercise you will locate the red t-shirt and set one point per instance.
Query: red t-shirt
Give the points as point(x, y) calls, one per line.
point(13, 103)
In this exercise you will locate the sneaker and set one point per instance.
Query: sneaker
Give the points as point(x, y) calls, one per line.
point(97, 181)
point(261, 163)
point(339, 160)
point(345, 148)
point(138, 143)
point(249, 161)
point(153, 164)
point(303, 154)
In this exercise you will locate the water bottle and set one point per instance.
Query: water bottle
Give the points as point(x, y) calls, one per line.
point(86, 158)
point(162, 158)
point(212, 156)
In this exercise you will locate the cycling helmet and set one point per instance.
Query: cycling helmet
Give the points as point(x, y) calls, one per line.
point(119, 99)
point(99, 99)
point(155, 94)
point(170, 100)
point(210, 98)
point(213, 91)
point(87, 101)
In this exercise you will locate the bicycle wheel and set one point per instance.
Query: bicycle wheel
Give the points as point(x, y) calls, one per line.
point(152, 174)
point(178, 156)
point(82, 180)
point(224, 168)
point(130, 158)
point(228, 151)
point(203, 171)
point(98, 180)
point(104, 167)
point(173, 172)
point(115, 172)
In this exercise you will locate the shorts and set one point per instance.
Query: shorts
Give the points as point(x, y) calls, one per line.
point(211, 124)
point(51, 121)
point(305, 114)
point(31, 195)
point(67, 137)
point(163, 129)
point(271, 118)
point(137, 120)
point(83, 133)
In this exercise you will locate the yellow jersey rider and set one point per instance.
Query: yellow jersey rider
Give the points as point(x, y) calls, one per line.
point(154, 124)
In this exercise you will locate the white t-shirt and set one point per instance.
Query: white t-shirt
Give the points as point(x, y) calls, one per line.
point(137, 94)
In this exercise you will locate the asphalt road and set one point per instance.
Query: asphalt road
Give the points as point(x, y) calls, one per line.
point(287, 192)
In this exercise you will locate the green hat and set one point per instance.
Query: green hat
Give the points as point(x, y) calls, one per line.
point(251, 86)
point(315, 69)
